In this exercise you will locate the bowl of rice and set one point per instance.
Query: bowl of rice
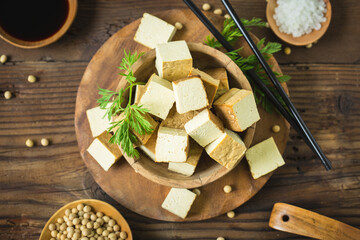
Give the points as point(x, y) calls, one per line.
point(299, 22)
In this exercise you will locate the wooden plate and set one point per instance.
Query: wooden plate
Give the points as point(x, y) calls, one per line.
point(299, 41)
point(97, 206)
point(131, 189)
point(207, 170)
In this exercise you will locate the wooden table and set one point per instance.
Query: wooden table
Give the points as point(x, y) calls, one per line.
point(34, 182)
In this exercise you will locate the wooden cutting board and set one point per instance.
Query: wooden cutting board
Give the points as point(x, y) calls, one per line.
point(131, 189)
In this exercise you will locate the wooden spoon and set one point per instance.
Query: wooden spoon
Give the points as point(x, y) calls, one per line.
point(304, 39)
point(288, 218)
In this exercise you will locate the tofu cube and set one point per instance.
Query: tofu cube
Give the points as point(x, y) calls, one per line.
point(97, 120)
point(189, 94)
point(177, 120)
point(173, 60)
point(153, 30)
point(227, 150)
point(105, 153)
point(211, 84)
point(204, 127)
point(179, 201)
point(158, 97)
point(237, 109)
point(172, 145)
point(263, 158)
point(142, 138)
point(188, 167)
point(149, 147)
point(220, 74)
point(140, 89)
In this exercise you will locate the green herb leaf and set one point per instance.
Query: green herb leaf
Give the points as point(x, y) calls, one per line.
point(255, 22)
point(124, 137)
point(212, 42)
point(127, 63)
point(133, 119)
point(231, 33)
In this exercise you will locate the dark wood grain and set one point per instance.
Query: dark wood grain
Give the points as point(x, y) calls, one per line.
point(34, 183)
point(97, 20)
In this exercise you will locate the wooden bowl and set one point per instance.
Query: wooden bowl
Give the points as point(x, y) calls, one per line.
point(98, 206)
point(299, 41)
point(207, 170)
point(73, 4)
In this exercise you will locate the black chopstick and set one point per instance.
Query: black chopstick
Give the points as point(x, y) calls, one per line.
point(277, 84)
point(308, 138)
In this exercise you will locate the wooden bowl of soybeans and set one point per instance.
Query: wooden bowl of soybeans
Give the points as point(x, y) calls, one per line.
point(87, 219)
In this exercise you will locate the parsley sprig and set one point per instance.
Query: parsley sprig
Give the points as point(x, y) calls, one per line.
point(132, 119)
point(231, 33)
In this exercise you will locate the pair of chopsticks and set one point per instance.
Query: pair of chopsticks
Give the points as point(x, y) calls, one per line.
point(290, 114)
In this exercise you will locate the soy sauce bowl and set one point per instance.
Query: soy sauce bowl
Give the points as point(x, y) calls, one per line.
point(72, 9)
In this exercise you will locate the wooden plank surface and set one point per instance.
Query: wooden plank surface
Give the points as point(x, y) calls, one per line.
point(97, 20)
point(35, 182)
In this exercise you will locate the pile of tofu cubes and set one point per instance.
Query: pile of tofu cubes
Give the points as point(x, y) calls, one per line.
point(190, 110)
point(180, 97)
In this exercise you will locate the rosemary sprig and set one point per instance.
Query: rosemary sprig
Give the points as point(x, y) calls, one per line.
point(132, 115)
point(231, 33)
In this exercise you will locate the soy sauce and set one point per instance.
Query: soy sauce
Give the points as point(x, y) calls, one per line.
point(33, 20)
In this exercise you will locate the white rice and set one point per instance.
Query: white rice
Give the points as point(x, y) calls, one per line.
point(299, 17)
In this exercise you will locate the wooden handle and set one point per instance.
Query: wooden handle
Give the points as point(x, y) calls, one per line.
point(288, 218)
